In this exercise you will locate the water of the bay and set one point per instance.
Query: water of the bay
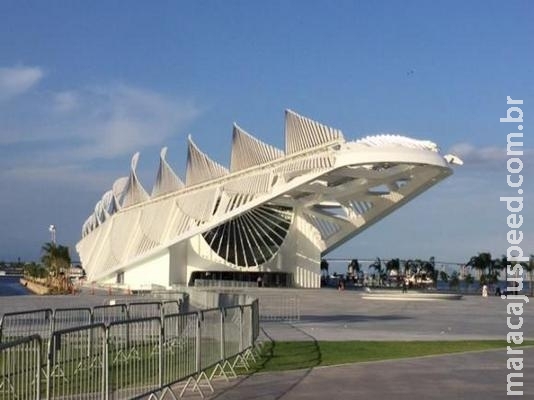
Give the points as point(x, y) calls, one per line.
point(10, 286)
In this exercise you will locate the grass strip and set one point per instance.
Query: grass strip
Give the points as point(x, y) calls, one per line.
point(284, 356)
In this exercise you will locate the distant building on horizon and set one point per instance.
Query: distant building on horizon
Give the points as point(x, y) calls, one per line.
point(273, 214)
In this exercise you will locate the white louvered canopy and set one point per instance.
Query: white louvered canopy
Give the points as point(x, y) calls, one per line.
point(399, 140)
point(247, 151)
point(134, 192)
point(303, 133)
point(167, 180)
point(201, 168)
point(109, 203)
point(118, 189)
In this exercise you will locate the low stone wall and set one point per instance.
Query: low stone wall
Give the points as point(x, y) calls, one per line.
point(35, 287)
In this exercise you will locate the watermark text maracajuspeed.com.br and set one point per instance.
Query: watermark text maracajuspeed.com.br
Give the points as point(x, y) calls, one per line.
point(514, 252)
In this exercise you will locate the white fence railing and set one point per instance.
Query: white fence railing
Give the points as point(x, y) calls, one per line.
point(279, 308)
point(124, 359)
point(45, 321)
point(20, 365)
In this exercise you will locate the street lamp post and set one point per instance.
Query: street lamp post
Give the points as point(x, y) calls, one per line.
point(52, 229)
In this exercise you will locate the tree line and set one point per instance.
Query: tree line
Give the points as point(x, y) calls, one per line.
point(482, 268)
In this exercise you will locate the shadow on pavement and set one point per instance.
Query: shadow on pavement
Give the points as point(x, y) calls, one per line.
point(351, 318)
point(308, 352)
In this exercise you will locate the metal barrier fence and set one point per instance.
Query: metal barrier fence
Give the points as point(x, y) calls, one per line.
point(21, 324)
point(210, 326)
point(255, 311)
point(179, 347)
point(169, 307)
point(144, 310)
point(20, 363)
point(232, 318)
point(109, 314)
point(64, 318)
point(76, 363)
point(43, 322)
point(249, 332)
point(279, 308)
point(134, 350)
point(132, 358)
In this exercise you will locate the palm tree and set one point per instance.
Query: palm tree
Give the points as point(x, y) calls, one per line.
point(480, 263)
point(418, 269)
point(393, 265)
point(454, 280)
point(429, 270)
point(56, 258)
point(377, 266)
point(410, 267)
point(34, 270)
point(355, 265)
point(496, 267)
point(324, 266)
point(353, 270)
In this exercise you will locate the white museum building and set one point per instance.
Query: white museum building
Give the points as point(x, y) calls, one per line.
point(272, 213)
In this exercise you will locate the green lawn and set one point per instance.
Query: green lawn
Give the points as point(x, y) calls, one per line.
point(283, 356)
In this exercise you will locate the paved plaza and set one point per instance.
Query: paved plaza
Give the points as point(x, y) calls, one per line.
point(332, 315)
point(328, 314)
point(470, 376)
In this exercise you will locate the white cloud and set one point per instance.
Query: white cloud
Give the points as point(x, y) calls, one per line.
point(65, 101)
point(471, 153)
point(17, 80)
point(485, 156)
point(60, 151)
point(72, 175)
point(123, 119)
point(77, 126)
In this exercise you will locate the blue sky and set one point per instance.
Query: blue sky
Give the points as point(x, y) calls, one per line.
point(84, 85)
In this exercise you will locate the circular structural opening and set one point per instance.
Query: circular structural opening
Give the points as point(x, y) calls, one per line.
point(252, 238)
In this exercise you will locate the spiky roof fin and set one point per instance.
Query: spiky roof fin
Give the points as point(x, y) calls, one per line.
point(248, 151)
point(134, 192)
point(109, 203)
point(200, 167)
point(303, 133)
point(118, 189)
point(167, 180)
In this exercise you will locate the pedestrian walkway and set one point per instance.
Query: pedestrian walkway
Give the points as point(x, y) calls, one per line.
point(473, 376)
